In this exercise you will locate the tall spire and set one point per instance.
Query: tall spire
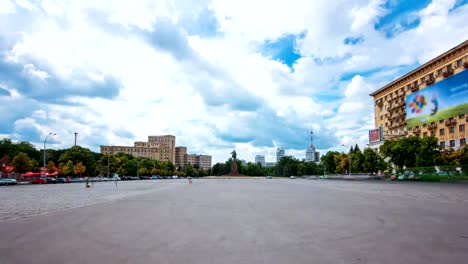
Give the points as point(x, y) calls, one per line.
point(311, 137)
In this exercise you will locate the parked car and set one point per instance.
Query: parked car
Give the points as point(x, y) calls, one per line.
point(115, 178)
point(175, 177)
point(292, 177)
point(145, 177)
point(39, 181)
point(51, 180)
point(8, 182)
point(77, 180)
point(268, 177)
point(61, 180)
point(155, 177)
point(134, 178)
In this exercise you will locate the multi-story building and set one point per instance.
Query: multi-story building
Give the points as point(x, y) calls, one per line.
point(196, 161)
point(157, 147)
point(431, 100)
point(181, 157)
point(260, 159)
point(199, 161)
point(279, 154)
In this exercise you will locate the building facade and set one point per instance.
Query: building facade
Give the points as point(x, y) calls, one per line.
point(260, 159)
point(428, 101)
point(199, 161)
point(182, 159)
point(279, 154)
point(157, 148)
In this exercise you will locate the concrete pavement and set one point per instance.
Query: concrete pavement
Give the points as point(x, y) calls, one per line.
point(253, 221)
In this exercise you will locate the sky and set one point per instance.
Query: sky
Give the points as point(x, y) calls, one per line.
point(219, 75)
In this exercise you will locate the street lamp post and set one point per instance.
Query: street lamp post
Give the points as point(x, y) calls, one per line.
point(44, 161)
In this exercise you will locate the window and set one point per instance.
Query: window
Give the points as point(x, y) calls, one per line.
point(423, 79)
point(431, 75)
point(442, 144)
point(452, 143)
point(439, 72)
point(441, 121)
point(381, 117)
point(461, 128)
point(459, 63)
point(442, 131)
point(451, 130)
point(425, 134)
point(449, 67)
point(462, 142)
point(433, 133)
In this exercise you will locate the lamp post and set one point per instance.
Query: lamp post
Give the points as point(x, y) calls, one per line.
point(45, 142)
point(349, 171)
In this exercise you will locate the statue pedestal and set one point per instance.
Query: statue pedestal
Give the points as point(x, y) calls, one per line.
point(234, 169)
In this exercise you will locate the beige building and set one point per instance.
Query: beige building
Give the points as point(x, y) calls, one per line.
point(157, 147)
point(196, 161)
point(437, 96)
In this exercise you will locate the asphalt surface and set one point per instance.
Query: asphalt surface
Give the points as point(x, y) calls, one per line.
point(247, 221)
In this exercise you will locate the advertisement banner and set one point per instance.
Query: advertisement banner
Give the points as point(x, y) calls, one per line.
point(375, 135)
point(442, 100)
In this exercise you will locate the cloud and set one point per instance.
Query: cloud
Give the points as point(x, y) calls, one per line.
point(39, 84)
point(218, 74)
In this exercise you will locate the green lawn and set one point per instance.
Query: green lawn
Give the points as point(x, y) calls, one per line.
point(441, 115)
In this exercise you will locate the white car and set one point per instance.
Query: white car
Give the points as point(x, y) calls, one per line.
point(175, 177)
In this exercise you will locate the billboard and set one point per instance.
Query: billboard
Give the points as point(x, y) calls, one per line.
point(442, 100)
point(375, 135)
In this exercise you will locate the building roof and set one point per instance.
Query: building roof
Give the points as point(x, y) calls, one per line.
point(422, 66)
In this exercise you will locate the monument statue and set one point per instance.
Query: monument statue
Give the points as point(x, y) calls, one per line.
point(234, 168)
point(234, 154)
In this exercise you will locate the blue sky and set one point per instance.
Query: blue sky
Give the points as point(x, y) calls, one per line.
point(218, 74)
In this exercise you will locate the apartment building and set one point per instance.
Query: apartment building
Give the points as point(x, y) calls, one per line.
point(157, 147)
point(430, 100)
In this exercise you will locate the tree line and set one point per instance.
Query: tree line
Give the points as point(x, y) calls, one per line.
point(79, 161)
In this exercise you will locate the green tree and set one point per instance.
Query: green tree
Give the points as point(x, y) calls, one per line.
point(70, 168)
point(402, 152)
point(287, 166)
point(357, 160)
point(329, 161)
point(428, 153)
point(189, 170)
point(373, 162)
point(78, 154)
point(21, 163)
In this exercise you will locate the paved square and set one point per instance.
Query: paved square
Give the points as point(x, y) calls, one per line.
point(235, 221)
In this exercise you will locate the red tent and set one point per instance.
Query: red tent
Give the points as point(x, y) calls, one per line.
point(31, 174)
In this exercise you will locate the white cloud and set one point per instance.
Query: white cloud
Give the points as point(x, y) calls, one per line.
point(199, 88)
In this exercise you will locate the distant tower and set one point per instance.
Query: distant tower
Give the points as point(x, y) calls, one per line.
point(311, 137)
point(310, 152)
point(279, 154)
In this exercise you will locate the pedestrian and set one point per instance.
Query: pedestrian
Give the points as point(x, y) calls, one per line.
point(189, 179)
point(87, 182)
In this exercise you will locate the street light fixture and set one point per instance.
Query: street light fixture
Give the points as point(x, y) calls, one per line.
point(45, 142)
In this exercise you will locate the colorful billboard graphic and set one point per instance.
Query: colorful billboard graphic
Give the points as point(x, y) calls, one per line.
point(442, 100)
point(375, 135)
